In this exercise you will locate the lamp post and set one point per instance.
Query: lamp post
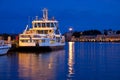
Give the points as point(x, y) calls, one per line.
point(70, 33)
point(70, 29)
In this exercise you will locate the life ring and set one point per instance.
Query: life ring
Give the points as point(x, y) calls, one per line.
point(50, 31)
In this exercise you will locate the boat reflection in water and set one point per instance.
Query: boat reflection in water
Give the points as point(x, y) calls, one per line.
point(79, 61)
point(34, 66)
point(71, 60)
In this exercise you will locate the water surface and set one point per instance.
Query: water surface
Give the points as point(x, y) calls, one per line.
point(78, 61)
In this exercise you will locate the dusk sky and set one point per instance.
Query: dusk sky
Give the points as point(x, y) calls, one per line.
point(78, 14)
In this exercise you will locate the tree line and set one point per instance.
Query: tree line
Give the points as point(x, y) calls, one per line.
point(92, 33)
point(6, 35)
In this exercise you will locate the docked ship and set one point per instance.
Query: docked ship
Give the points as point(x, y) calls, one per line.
point(4, 47)
point(44, 34)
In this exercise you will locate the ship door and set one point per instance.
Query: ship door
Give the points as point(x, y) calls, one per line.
point(37, 44)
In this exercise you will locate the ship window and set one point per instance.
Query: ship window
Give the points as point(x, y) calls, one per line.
point(55, 24)
point(40, 31)
point(57, 39)
point(24, 36)
point(35, 25)
point(52, 25)
point(36, 41)
point(57, 32)
point(48, 24)
point(43, 40)
point(43, 24)
point(36, 36)
point(24, 40)
point(39, 25)
point(46, 31)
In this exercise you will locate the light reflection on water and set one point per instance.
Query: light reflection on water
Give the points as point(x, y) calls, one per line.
point(39, 66)
point(31, 66)
point(71, 60)
point(79, 61)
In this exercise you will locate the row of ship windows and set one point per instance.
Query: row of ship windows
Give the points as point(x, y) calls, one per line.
point(44, 31)
point(35, 36)
point(38, 32)
point(45, 25)
point(42, 41)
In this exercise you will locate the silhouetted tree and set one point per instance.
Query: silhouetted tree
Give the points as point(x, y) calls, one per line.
point(105, 32)
point(76, 34)
point(118, 32)
point(4, 36)
point(92, 32)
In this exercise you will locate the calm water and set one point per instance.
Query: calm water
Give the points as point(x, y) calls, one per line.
point(79, 61)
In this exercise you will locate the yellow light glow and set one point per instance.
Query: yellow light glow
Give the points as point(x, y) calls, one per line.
point(71, 58)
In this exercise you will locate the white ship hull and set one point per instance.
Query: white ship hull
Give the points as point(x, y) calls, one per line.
point(33, 44)
point(40, 47)
point(4, 49)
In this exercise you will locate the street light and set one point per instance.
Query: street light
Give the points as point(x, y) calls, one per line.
point(70, 29)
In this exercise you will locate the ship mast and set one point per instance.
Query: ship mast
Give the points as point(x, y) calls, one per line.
point(45, 14)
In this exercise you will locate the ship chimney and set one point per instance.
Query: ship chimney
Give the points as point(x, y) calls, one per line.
point(45, 14)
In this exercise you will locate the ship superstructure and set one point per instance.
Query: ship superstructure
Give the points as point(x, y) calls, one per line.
point(44, 33)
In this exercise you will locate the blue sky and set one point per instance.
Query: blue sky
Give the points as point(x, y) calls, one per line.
point(78, 14)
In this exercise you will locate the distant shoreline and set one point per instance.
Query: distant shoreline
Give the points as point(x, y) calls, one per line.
point(98, 38)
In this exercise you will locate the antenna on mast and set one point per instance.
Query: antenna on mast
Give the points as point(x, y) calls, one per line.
point(28, 21)
point(26, 29)
point(45, 14)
